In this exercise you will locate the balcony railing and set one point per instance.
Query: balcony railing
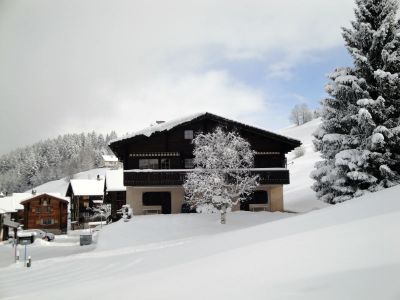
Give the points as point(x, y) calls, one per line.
point(177, 177)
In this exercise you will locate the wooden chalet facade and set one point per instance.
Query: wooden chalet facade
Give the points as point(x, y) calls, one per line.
point(115, 191)
point(85, 194)
point(157, 159)
point(46, 212)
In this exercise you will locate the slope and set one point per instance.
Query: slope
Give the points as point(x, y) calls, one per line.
point(298, 194)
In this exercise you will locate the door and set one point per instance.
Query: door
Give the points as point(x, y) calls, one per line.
point(258, 197)
point(158, 198)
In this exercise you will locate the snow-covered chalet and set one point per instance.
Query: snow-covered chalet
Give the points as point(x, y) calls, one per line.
point(157, 159)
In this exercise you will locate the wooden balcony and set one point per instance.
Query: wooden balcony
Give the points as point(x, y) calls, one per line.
point(177, 177)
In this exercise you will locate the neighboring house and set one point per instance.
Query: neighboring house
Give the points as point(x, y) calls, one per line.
point(111, 161)
point(115, 191)
point(157, 159)
point(11, 208)
point(84, 195)
point(48, 212)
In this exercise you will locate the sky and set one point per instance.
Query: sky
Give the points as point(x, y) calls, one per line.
point(71, 66)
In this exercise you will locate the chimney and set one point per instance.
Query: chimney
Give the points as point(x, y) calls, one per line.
point(160, 122)
point(33, 192)
point(98, 177)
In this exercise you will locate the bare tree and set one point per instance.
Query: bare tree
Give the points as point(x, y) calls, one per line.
point(300, 114)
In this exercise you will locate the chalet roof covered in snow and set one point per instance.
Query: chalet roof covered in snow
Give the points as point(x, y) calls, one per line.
point(12, 203)
point(166, 126)
point(115, 180)
point(55, 195)
point(87, 187)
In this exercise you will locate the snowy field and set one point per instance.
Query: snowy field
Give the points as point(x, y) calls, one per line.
point(347, 251)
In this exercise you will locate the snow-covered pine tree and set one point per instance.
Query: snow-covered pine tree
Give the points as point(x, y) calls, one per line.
point(221, 177)
point(359, 137)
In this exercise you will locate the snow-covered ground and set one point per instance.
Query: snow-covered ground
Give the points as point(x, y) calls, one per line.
point(347, 251)
point(298, 195)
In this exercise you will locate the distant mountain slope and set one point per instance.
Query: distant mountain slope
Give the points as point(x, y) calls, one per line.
point(52, 159)
point(298, 194)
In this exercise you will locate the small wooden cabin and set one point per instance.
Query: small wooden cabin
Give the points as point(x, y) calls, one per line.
point(85, 194)
point(47, 212)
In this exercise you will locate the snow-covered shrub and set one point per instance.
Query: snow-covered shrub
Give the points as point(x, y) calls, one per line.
point(299, 151)
point(101, 213)
point(221, 177)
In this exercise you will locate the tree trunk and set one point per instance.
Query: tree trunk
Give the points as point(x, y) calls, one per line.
point(223, 215)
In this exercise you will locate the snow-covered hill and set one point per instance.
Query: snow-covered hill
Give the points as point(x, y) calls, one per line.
point(347, 251)
point(298, 194)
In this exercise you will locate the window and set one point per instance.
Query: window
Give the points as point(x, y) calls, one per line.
point(189, 163)
point(47, 209)
point(151, 163)
point(165, 163)
point(37, 210)
point(47, 221)
point(188, 134)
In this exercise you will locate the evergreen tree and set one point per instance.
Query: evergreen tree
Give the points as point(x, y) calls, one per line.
point(359, 138)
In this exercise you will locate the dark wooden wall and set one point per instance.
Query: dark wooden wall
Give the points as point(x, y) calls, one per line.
point(58, 212)
point(173, 141)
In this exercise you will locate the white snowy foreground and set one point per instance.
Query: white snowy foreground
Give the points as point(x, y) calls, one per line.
point(347, 251)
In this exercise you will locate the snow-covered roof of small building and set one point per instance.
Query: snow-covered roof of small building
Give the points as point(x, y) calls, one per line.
point(12, 203)
point(55, 195)
point(110, 158)
point(166, 126)
point(115, 180)
point(88, 187)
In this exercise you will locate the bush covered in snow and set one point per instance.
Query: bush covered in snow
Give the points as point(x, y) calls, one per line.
point(299, 151)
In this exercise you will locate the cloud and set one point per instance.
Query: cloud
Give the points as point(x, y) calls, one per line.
point(73, 65)
point(168, 97)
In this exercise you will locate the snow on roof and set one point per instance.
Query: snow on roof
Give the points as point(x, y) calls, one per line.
point(115, 180)
point(88, 187)
point(109, 158)
point(159, 127)
point(173, 123)
point(56, 195)
point(12, 203)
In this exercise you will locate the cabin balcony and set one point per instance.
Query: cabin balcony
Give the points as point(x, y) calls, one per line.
point(165, 177)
